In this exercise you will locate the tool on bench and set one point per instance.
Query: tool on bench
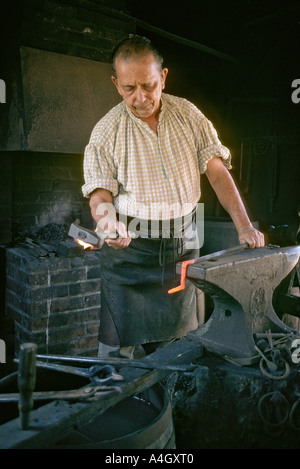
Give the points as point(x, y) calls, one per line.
point(276, 355)
point(98, 375)
point(119, 362)
point(102, 379)
point(86, 393)
point(26, 382)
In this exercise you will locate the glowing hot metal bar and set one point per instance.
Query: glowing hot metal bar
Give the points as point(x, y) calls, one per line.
point(185, 264)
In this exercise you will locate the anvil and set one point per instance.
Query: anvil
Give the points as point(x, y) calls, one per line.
point(241, 285)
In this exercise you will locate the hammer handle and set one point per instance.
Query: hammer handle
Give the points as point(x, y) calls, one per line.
point(26, 382)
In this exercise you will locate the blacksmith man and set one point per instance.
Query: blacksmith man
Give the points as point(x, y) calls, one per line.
point(145, 155)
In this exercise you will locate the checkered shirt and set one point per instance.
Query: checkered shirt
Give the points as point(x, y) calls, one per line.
point(147, 173)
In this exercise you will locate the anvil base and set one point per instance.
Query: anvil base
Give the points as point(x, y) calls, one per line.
point(241, 285)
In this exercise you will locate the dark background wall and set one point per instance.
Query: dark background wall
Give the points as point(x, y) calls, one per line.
point(55, 61)
point(245, 90)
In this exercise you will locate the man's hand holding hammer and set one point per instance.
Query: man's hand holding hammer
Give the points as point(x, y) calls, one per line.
point(103, 212)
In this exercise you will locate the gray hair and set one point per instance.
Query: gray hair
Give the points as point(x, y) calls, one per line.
point(135, 46)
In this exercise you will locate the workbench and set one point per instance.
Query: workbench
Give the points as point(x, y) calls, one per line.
point(52, 421)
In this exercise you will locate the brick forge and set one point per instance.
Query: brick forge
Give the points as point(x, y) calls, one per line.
point(54, 301)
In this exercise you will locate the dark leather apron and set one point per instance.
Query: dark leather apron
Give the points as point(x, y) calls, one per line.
point(136, 307)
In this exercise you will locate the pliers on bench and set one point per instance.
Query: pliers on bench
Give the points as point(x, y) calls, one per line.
point(99, 375)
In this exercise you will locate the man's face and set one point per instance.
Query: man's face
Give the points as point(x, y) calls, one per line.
point(140, 83)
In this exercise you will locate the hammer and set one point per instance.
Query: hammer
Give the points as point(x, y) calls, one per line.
point(90, 237)
point(84, 234)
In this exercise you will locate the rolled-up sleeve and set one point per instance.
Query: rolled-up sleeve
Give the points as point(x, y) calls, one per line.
point(210, 146)
point(98, 171)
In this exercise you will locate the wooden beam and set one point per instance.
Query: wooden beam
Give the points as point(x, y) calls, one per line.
point(160, 32)
point(186, 42)
point(273, 16)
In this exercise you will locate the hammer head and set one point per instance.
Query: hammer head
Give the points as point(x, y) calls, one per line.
point(84, 234)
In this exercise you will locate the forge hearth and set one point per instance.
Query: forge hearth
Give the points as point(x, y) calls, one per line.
point(54, 296)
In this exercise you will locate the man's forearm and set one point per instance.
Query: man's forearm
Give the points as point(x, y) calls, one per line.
point(227, 193)
point(104, 214)
point(101, 205)
point(231, 201)
point(229, 197)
